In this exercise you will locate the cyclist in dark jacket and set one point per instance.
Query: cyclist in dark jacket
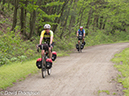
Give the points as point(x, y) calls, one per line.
point(81, 32)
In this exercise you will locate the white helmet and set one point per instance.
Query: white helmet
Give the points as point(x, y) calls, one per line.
point(47, 26)
point(81, 27)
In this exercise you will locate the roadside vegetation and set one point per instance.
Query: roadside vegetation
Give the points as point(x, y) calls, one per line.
point(122, 65)
point(21, 22)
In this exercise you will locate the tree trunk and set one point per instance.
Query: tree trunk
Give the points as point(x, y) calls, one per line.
point(101, 22)
point(89, 17)
point(104, 23)
point(50, 12)
point(64, 25)
point(15, 14)
point(81, 17)
point(8, 4)
point(23, 19)
point(72, 21)
point(97, 20)
point(57, 20)
point(32, 24)
point(3, 4)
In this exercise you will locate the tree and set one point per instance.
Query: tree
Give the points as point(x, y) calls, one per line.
point(57, 20)
point(2, 5)
point(16, 2)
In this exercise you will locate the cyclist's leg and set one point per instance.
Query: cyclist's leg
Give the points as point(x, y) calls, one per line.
point(78, 41)
point(50, 53)
point(42, 53)
point(83, 41)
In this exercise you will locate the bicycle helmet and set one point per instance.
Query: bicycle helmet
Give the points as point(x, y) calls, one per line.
point(47, 26)
point(81, 27)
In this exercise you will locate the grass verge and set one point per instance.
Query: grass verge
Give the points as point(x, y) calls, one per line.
point(106, 91)
point(18, 71)
point(122, 65)
point(11, 73)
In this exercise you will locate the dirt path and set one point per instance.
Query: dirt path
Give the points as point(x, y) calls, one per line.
point(80, 74)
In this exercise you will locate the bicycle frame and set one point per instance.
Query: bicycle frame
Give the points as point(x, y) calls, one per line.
point(80, 50)
point(79, 44)
point(44, 57)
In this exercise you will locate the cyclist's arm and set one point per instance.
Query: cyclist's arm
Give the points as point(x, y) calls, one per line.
point(41, 37)
point(84, 33)
point(51, 37)
point(77, 33)
point(40, 41)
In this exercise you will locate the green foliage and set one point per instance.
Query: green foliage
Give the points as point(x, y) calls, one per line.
point(63, 44)
point(54, 3)
point(11, 73)
point(122, 64)
point(13, 48)
point(101, 37)
point(106, 91)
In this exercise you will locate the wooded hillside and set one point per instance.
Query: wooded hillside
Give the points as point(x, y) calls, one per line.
point(26, 18)
point(31, 15)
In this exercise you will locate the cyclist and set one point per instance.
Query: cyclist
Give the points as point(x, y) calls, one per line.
point(81, 32)
point(47, 36)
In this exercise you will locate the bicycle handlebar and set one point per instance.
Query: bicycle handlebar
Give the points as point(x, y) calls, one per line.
point(42, 47)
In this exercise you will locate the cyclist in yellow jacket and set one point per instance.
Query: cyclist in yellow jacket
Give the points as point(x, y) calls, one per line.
point(47, 36)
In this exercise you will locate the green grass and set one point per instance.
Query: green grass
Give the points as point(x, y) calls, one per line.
point(18, 71)
point(106, 91)
point(114, 94)
point(14, 72)
point(122, 65)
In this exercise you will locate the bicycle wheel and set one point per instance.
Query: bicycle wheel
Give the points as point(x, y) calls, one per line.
point(43, 72)
point(43, 68)
point(48, 71)
point(79, 50)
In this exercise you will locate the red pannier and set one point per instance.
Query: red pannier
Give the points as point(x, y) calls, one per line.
point(54, 55)
point(39, 63)
point(48, 63)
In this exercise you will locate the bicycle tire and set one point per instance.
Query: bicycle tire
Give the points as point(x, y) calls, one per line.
point(43, 72)
point(80, 50)
point(43, 68)
point(49, 71)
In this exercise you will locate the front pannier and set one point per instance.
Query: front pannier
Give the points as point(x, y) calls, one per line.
point(82, 46)
point(54, 55)
point(77, 46)
point(48, 63)
point(39, 63)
